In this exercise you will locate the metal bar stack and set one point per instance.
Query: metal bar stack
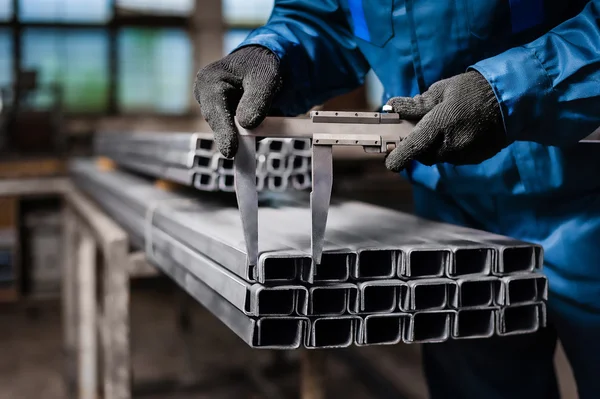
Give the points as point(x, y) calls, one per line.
point(193, 159)
point(385, 276)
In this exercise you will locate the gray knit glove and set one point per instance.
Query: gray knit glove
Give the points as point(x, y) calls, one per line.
point(243, 83)
point(459, 123)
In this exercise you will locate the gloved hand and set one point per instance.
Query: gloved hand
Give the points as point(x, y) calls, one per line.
point(460, 122)
point(243, 83)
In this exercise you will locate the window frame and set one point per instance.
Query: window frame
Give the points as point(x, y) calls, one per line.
point(113, 25)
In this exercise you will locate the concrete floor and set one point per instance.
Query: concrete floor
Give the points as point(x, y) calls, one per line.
point(31, 363)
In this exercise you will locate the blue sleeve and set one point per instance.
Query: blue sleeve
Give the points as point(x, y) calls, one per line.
point(549, 89)
point(317, 51)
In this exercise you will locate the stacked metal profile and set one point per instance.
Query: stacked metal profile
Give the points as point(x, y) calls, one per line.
point(193, 159)
point(385, 276)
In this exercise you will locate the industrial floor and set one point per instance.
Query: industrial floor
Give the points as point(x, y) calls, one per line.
point(207, 362)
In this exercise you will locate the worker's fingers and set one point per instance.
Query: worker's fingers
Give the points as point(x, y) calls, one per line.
point(421, 144)
point(259, 91)
point(415, 108)
point(217, 102)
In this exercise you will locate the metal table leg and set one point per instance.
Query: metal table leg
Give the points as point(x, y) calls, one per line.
point(86, 287)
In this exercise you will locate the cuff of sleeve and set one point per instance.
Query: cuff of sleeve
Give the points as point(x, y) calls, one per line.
point(524, 92)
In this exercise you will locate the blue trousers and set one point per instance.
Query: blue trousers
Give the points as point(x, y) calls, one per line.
point(522, 366)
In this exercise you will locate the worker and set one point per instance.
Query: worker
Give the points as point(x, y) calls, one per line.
point(502, 91)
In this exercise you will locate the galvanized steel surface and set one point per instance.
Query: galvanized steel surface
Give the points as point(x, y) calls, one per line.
point(385, 276)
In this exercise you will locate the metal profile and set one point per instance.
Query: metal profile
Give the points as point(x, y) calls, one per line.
point(474, 323)
point(428, 327)
point(382, 329)
point(377, 263)
point(475, 292)
point(523, 288)
point(381, 296)
point(429, 294)
point(472, 260)
point(333, 332)
point(520, 319)
point(333, 299)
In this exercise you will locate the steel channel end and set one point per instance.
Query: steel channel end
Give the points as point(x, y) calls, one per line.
point(205, 144)
point(281, 268)
point(384, 329)
point(331, 300)
point(472, 261)
point(421, 263)
point(428, 327)
point(333, 332)
point(202, 161)
point(518, 259)
point(279, 332)
point(301, 181)
point(274, 301)
point(227, 183)
point(376, 263)
point(477, 292)
point(297, 164)
point(520, 319)
point(275, 145)
point(205, 181)
point(277, 183)
point(430, 294)
point(474, 323)
point(300, 146)
point(524, 288)
point(334, 267)
point(379, 296)
point(276, 164)
point(224, 165)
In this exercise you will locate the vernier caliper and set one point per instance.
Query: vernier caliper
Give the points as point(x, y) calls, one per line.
point(375, 132)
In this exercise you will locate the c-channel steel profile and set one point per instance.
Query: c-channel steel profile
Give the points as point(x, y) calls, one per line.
point(333, 332)
point(332, 299)
point(381, 329)
point(428, 327)
point(381, 296)
point(476, 292)
point(523, 288)
point(474, 323)
point(520, 319)
point(429, 294)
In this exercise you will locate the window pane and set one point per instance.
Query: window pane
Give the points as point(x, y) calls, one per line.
point(6, 10)
point(233, 38)
point(155, 70)
point(161, 7)
point(64, 10)
point(75, 59)
point(247, 12)
point(6, 58)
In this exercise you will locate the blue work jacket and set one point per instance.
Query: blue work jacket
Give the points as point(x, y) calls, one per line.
point(542, 58)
